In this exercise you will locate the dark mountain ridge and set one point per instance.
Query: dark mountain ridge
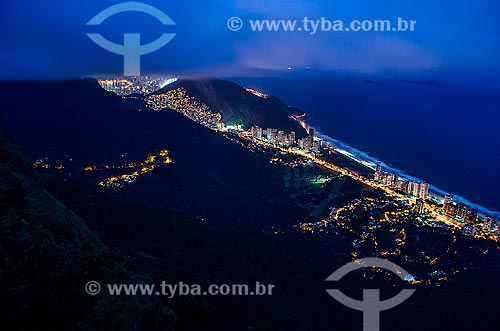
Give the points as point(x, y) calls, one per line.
point(238, 106)
point(78, 123)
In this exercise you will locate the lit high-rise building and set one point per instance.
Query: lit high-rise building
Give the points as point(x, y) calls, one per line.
point(279, 137)
point(307, 143)
point(388, 179)
point(424, 191)
point(450, 210)
point(291, 137)
point(419, 206)
point(448, 198)
point(269, 135)
point(488, 223)
point(254, 131)
point(300, 143)
point(378, 173)
point(311, 138)
point(284, 140)
point(394, 180)
point(259, 133)
point(316, 146)
point(409, 188)
point(413, 189)
point(470, 216)
point(462, 210)
point(416, 189)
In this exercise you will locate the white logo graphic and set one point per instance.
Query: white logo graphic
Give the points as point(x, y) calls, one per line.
point(234, 23)
point(131, 48)
point(371, 306)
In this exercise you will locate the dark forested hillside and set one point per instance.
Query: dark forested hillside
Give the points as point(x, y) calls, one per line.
point(237, 106)
point(48, 254)
point(77, 123)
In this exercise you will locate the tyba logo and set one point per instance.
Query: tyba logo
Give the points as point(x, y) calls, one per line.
point(131, 48)
point(371, 306)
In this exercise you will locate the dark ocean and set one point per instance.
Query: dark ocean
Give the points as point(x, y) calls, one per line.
point(447, 135)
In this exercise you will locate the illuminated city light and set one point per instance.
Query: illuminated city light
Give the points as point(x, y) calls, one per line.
point(43, 164)
point(152, 162)
point(257, 93)
point(181, 102)
point(141, 84)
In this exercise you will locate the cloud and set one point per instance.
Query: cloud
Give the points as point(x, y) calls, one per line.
point(366, 54)
point(277, 9)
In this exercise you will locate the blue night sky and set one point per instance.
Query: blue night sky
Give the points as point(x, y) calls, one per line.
point(47, 39)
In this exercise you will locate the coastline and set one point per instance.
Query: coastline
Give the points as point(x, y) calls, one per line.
point(369, 161)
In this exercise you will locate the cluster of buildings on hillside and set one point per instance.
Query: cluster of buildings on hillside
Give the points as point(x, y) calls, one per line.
point(181, 102)
point(279, 138)
point(139, 84)
point(257, 93)
point(178, 100)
